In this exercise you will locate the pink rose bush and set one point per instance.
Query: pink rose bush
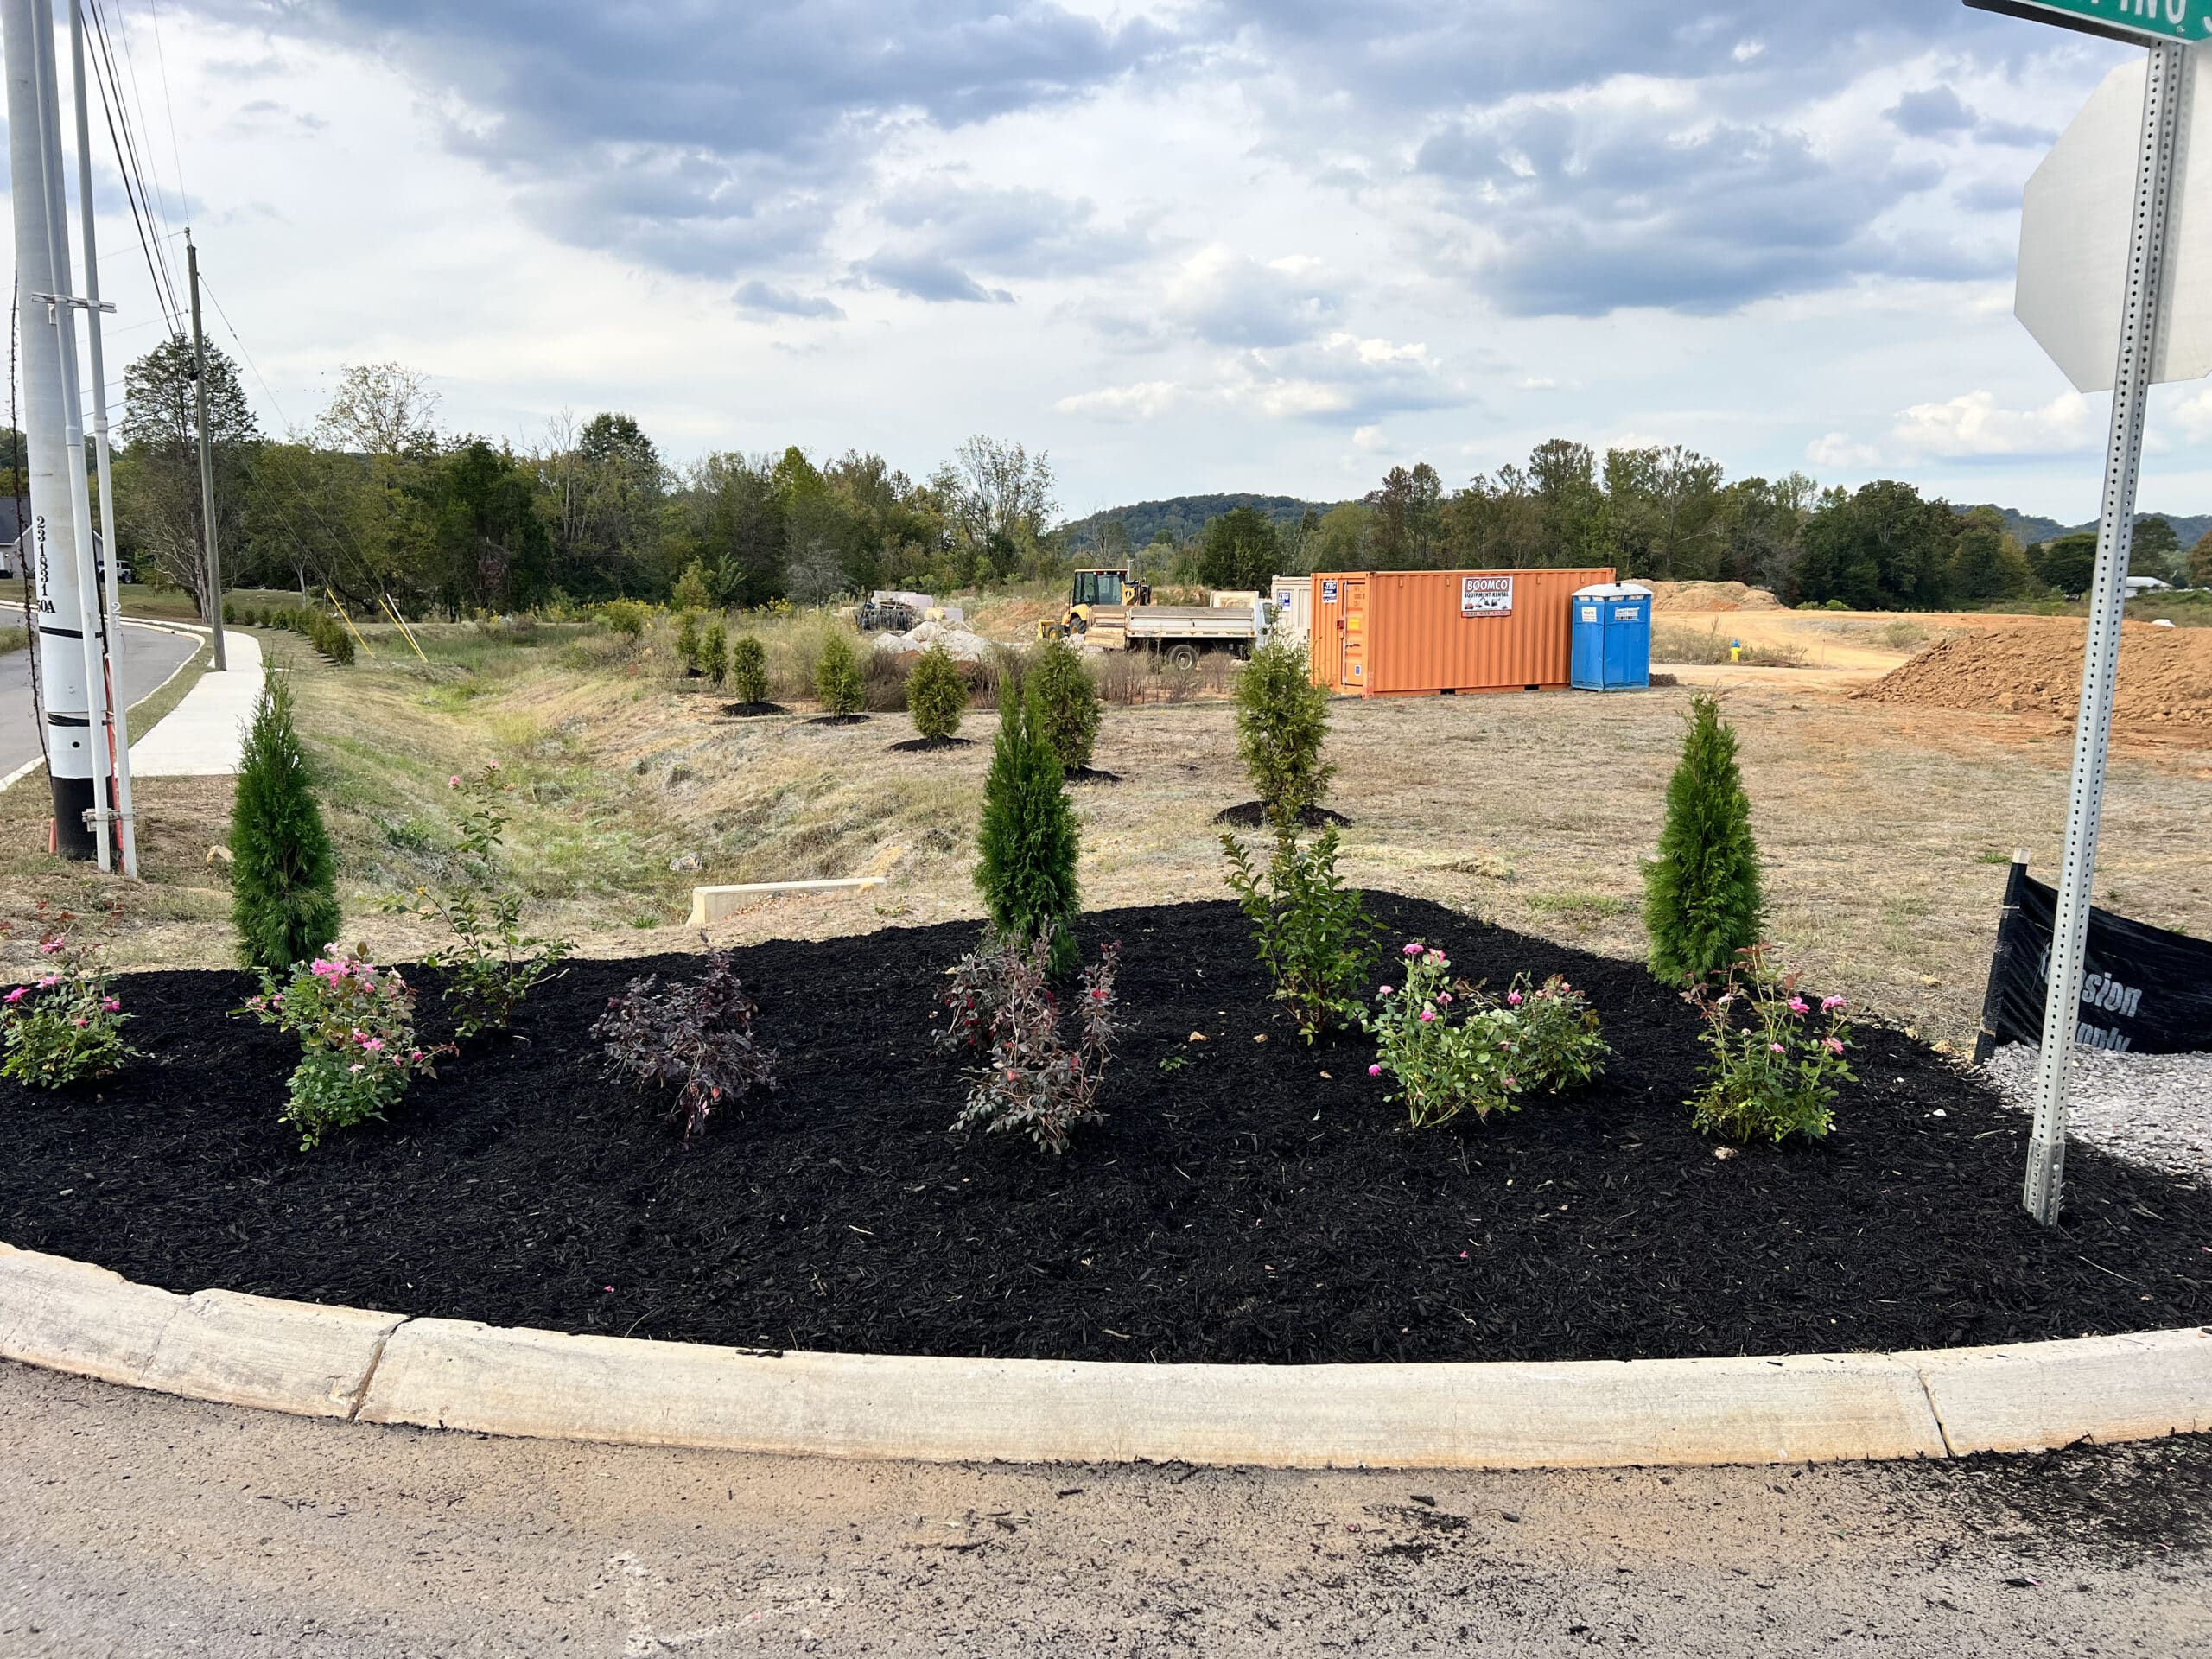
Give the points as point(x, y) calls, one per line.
point(356, 1026)
point(1775, 1060)
point(65, 1027)
point(1445, 1061)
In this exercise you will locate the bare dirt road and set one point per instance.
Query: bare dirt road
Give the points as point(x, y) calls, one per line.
point(135, 1524)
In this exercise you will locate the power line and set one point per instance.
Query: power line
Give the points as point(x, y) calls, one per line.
point(143, 215)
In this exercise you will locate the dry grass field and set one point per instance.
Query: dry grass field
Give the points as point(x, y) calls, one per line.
point(1885, 828)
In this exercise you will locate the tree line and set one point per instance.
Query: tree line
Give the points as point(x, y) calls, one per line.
point(1666, 513)
point(375, 502)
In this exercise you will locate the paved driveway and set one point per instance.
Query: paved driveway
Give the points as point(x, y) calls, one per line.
point(149, 656)
point(136, 1524)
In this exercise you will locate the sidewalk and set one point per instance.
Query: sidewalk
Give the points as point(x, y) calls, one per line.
point(202, 735)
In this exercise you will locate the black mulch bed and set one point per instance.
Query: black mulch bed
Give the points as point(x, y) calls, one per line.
point(1242, 1206)
point(930, 745)
point(1252, 815)
point(749, 710)
point(1091, 775)
point(838, 720)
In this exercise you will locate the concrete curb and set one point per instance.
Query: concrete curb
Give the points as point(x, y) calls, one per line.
point(713, 903)
point(385, 1368)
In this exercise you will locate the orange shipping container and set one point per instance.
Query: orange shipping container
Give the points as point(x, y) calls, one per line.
point(1398, 633)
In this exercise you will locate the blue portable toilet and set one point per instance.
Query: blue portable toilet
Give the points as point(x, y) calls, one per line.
point(1611, 637)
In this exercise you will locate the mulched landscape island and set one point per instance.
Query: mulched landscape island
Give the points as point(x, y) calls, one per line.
point(1244, 1200)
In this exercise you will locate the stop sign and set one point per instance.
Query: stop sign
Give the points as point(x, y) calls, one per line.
point(2074, 224)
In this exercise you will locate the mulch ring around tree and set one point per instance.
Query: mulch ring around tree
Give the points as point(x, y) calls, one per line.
point(1091, 775)
point(1243, 1200)
point(838, 720)
point(752, 710)
point(930, 745)
point(1252, 815)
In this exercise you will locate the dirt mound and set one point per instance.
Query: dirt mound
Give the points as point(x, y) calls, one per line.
point(2165, 674)
point(1710, 597)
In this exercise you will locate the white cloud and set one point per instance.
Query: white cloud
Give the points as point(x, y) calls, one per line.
point(1369, 439)
point(1143, 401)
point(1838, 450)
point(1972, 426)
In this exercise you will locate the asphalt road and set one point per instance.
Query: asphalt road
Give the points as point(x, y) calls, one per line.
point(136, 1524)
point(149, 656)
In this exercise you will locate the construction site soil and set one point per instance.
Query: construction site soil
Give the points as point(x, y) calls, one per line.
point(1246, 1198)
point(2165, 674)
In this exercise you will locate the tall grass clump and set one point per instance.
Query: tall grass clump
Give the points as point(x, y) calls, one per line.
point(284, 874)
point(1703, 902)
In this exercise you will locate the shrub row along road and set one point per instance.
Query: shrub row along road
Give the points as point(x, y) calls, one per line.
point(137, 1524)
point(149, 656)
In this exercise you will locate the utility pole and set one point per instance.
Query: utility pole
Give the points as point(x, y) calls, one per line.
point(118, 755)
point(58, 537)
point(214, 588)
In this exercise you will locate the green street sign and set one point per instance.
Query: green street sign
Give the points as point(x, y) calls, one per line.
point(2142, 22)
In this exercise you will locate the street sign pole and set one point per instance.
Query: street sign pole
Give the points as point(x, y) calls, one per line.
point(2165, 94)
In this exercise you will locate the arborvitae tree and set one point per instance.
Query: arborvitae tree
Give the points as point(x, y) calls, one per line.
point(748, 668)
point(1029, 842)
point(837, 676)
point(935, 694)
point(714, 652)
point(1701, 900)
point(687, 641)
point(1063, 702)
point(284, 876)
point(1283, 719)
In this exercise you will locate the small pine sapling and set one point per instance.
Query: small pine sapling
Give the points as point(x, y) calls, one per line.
point(935, 694)
point(1029, 841)
point(714, 652)
point(748, 668)
point(687, 642)
point(1283, 719)
point(693, 1036)
point(837, 684)
point(1702, 897)
point(1063, 702)
point(284, 874)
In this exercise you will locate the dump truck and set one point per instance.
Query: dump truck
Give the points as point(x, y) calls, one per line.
point(1108, 610)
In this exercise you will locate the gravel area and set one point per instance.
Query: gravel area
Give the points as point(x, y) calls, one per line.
point(2154, 1108)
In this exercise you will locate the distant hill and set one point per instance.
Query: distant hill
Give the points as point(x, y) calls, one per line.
point(1184, 516)
point(2029, 528)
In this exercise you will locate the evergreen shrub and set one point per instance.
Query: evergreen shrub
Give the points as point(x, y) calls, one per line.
point(1701, 896)
point(284, 874)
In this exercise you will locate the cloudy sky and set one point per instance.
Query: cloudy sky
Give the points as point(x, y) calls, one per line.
point(1216, 245)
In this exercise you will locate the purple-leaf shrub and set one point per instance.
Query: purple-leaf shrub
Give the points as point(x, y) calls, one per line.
point(1004, 1015)
point(693, 1036)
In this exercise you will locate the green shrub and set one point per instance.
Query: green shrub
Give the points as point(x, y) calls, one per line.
point(284, 874)
point(1702, 897)
point(329, 636)
point(65, 1026)
point(492, 965)
point(356, 1027)
point(1775, 1074)
point(1283, 719)
point(1029, 842)
point(837, 675)
point(687, 641)
point(690, 592)
point(1063, 702)
point(714, 652)
point(1443, 1060)
point(628, 618)
point(748, 668)
point(935, 694)
point(1557, 1041)
point(230, 610)
point(1314, 935)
